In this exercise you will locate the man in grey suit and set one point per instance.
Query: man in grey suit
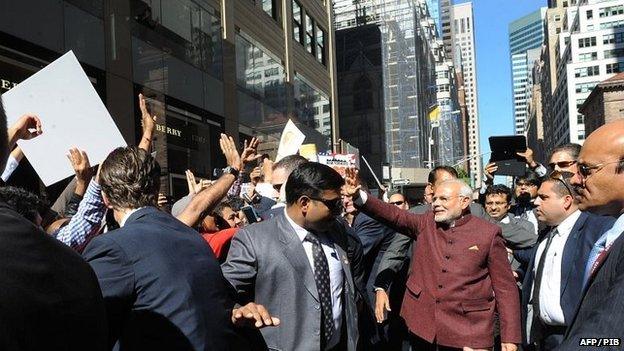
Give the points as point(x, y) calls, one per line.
point(518, 233)
point(296, 266)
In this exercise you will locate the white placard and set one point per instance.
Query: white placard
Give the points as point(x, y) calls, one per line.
point(290, 142)
point(71, 113)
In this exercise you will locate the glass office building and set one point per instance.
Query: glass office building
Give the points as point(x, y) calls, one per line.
point(526, 35)
point(207, 66)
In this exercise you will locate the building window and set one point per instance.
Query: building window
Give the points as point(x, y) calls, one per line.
point(590, 14)
point(589, 56)
point(320, 45)
point(585, 87)
point(613, 67)
point(587, 71)
point(297, 22)
point(612, 24)
point(270, 7)
point(587, 42)
point(614, 53)
point(615, 38)
point(468, 24)
point(310, 41)
point(611, 11)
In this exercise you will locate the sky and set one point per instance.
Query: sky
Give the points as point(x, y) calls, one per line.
point(492, 18)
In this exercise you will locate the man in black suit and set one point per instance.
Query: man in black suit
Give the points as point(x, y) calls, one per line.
point(599, 182)
point(161, 282)
point(50, 298)
point(552, 286)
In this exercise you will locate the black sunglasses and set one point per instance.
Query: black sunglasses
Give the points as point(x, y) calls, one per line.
point(585, 170)
point(397, 203)
point(563, 178)
point(561, 164)
point(334, 205)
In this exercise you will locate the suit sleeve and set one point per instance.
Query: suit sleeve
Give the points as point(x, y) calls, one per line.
point(370, 232)
point(605, 320)
point(517, 235)
point(505, 291)
point(241, 267)
point(392, 260)
point(400, 220)
point(116, 277)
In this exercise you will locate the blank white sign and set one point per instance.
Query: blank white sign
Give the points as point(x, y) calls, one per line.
point(71, 113)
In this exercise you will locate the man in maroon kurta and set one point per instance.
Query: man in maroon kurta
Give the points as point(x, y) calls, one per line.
point(460, 274)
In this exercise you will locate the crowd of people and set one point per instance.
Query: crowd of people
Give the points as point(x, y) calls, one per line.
point(291, 255)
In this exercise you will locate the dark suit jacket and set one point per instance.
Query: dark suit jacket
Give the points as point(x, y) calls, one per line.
point(162, 285)
point(375, 238)
point(268, 264)
point(587, 229)
point(459, 276)
point(49, 297)
point(601, 311)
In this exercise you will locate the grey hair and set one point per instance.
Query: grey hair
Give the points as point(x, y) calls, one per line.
point(464, 189)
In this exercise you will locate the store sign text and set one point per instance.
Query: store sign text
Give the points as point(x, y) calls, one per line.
point(7, 84)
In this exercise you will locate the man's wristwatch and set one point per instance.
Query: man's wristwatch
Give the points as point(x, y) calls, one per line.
point(231, 170)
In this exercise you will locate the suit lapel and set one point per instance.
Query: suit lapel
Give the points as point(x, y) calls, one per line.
point(346, 265)
point(571, 251)
point(296, 255)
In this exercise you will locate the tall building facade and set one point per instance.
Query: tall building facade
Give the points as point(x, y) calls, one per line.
point(407, 36)
point(526, 35)
point(589, 51)
point(207, 67)
point(463, 47)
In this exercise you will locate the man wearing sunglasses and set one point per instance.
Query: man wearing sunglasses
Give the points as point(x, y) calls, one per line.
point(599, 183)
point(562, 159)
point(552, 285)
point(460, 273)
point(296, 265)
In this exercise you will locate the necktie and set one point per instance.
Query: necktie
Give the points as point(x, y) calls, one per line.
point(598, 250)
point(537, 283)
point(321, 276)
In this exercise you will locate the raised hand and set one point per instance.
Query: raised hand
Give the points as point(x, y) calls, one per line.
point(489, 170)
point(255, 175)
point(528, 156)
point(253, 314)
point(148, 122)
point(80, 163)
point(25, 128)
point(352, 183)
point(228, 147)
point(250, 151)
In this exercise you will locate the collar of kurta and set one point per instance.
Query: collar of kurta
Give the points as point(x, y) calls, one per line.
point(458, 222)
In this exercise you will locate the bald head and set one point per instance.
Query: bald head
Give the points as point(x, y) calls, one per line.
point(600, 178)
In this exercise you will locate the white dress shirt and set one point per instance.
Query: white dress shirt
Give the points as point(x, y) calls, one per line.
point(335, 275)
point(10, 167)
point(551, 312)
point(127, 215)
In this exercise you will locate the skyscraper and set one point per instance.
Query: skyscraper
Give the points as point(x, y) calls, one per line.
point(463, 41)
point(526, 35)
point(590, 51)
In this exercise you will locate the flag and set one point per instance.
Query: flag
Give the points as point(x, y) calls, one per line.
point(434, 114)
